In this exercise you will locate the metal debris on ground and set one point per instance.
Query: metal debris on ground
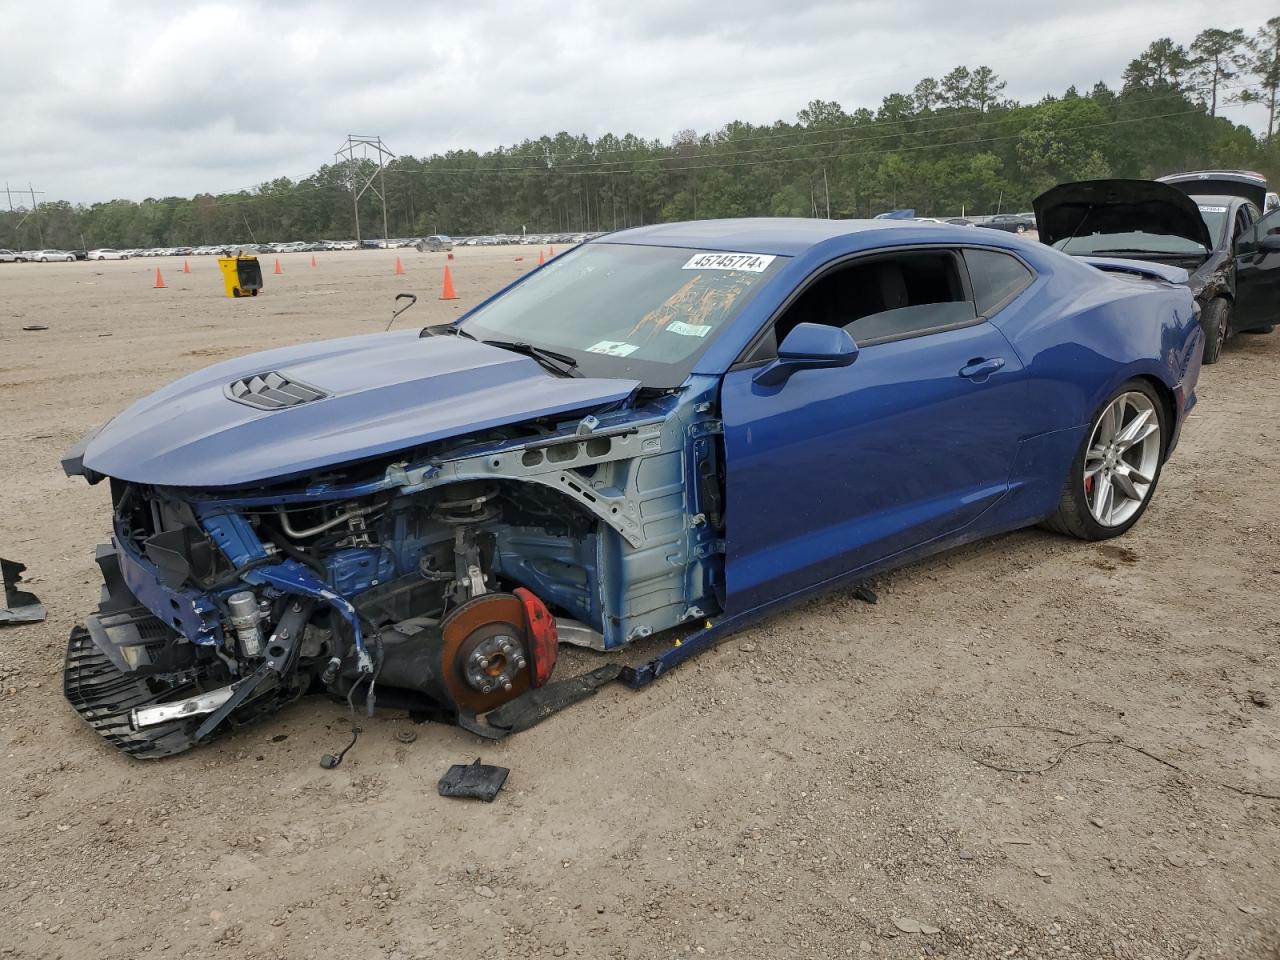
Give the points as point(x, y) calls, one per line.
point(20, 606)
point(406, 736)
point(479, 780)
point(35, 326)
point(908, 925)
point(864, 593)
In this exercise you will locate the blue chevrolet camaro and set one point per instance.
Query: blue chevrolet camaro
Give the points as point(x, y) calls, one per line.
point(673, 428)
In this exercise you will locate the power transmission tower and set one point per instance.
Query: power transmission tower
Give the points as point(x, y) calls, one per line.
point(355, 156)
point(33, 213)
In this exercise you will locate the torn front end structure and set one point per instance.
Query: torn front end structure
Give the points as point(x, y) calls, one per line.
point(436, 580)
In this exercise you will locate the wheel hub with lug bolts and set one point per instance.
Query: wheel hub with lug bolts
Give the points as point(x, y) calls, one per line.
point(495, 663)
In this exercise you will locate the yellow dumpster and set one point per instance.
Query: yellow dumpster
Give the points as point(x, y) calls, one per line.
point(241, 275)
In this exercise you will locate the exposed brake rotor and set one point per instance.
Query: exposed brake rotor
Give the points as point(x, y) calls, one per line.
point(486, 652)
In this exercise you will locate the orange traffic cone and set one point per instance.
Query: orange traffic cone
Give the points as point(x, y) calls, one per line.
point(313, 259)
point(448, 293)
point(159, 284)
point(186, 267)
point(277, 269)
point(551, 251)
point(399, 267)
point(542, 257)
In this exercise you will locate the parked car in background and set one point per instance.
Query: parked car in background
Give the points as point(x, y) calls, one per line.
point(1230, 251)
point(49, 256)
point(436, 243)
point(106, 253)
point(1246, 184)
point(1010, 222)
point(629, 441)
point(11, 256)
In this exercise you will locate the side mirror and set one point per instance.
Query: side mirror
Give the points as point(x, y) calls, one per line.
point(1269, 242)
point(809, 346)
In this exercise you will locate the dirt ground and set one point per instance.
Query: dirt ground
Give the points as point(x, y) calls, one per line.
point(807, 790)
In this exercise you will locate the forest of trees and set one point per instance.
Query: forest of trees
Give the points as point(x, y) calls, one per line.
point(948, 145)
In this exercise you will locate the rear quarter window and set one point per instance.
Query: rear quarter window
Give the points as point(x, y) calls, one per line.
point(996, 278)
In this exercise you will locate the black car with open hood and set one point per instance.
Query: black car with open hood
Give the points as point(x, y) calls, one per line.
point(1117, 207)
point(1230, 251)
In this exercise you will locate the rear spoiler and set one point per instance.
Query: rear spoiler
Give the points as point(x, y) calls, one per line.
point(1140, 268)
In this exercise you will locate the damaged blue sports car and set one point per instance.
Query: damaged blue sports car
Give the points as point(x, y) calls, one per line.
point(675, 428)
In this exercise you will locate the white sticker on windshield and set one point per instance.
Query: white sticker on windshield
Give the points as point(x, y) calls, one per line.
point(688, 329)
point(613, 348)
point(745, 262)
point(1213, 209)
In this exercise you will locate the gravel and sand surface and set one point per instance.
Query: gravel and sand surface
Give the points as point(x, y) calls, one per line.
point(809, 789)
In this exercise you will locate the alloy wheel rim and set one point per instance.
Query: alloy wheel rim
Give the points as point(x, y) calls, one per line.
point(1122, 458)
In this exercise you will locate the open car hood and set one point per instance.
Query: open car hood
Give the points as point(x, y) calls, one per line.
point(1118, 206)
point(286, 412)
point(1221, 183)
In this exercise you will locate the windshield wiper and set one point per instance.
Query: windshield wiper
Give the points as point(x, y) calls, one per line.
point(560, 363)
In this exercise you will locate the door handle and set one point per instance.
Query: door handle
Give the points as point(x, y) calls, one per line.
point(981, 369)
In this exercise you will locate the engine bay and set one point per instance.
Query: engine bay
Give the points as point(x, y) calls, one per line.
point(438, 582)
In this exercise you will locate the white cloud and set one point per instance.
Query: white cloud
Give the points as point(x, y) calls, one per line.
point(113, 98)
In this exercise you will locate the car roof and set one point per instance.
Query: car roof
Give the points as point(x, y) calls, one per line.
point(783, 236)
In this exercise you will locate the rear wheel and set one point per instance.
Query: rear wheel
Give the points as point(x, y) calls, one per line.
point(1267, 329)
point(1115, 472)
point(1216, 322)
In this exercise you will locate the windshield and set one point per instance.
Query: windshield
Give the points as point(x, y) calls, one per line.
point(1135, 241)
point(1215, 218)
point(624, 310)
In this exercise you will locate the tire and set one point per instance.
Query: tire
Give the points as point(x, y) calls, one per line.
point(1020, 229)
point(1076, 515)
point(1216, 323)
point(1260, 330)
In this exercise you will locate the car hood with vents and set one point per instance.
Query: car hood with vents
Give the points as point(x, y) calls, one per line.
point(284, 413)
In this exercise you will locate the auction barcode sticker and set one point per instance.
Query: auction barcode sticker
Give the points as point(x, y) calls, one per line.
point(614, 348)
point(745, 262)
point(1213, 209)
point(688, 329)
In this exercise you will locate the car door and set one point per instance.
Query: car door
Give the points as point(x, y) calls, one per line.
point(1258, 275)
point(837, 469)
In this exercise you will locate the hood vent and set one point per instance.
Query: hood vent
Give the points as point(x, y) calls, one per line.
point(271, 391)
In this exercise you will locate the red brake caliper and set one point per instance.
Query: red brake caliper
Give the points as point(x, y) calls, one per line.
point(544, 644)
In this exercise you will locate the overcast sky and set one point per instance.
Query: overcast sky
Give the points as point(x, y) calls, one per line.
point(104, 99)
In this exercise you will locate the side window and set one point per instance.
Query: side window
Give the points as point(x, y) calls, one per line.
point(996, 279)
point(1269, 225)
point(1242, 224)
point(884, 298)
